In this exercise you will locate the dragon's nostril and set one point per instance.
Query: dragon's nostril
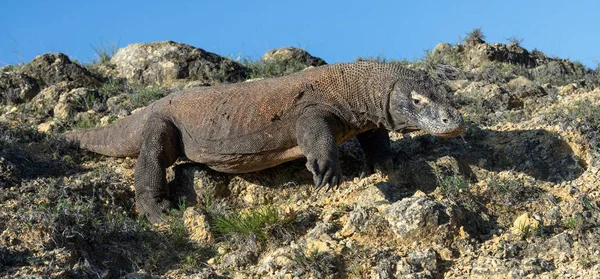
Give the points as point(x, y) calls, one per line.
point(445, 120)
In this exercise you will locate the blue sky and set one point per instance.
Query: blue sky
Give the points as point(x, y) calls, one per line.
point(337, 31)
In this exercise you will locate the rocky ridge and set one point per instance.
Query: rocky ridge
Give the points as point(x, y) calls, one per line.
point(516, 197)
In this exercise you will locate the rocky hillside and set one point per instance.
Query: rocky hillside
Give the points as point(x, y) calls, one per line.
point(517, 196)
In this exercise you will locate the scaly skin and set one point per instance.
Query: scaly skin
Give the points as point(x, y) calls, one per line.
point(251, 126)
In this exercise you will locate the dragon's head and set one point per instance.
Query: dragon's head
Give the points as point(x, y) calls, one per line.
point(419, 102)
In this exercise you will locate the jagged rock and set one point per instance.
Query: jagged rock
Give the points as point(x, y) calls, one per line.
point(57, 67)
point(380, 196)
point(17, 88)
point(76, 100)
point(292, 55)
point(321, 229)
point(278, 261)
point(385, 263)
point(197, 226)
point(358, 219)
point(45, 101)
point(167, 62)
point(479, 54)
point(418, 264)
point(420, 216)
point(556, 71)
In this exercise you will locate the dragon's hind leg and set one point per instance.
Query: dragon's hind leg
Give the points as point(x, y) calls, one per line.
point(160, 149)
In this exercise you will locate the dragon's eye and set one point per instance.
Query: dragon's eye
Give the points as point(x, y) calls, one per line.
point(416, 101)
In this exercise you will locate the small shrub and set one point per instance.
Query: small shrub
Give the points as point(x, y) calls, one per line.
point(276, 68)
point(178, 232)
point(9, 68)
point(381, 59)
point(474, 37)
point(104, 52)
point(315, 263)
point(453, 186)
point(143, 96)
point(515, 40)
point(85, 123)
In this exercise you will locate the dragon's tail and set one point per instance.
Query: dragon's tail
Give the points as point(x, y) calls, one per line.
point(121, 139)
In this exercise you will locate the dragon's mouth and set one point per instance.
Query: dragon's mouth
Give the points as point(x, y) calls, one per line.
point(452, 133)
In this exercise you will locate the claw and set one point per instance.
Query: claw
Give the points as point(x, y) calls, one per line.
point(319, 183)
point(333, 183)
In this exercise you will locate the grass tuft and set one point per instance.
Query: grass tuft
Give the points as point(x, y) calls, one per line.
point(105, 51)
point(257, 222)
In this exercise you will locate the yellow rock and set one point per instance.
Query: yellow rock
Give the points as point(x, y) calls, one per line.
point(46, 126)
point(317, 246)
point(525, 223)
point(287, 213)
point(197, 226)
point(563, 90)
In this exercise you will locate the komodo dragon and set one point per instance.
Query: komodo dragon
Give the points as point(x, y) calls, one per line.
point(245, 127)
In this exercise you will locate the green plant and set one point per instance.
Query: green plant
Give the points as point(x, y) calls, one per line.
point(574, 222)
point(475, 36)
point(143, 96)
point(257, 222)
point(86, 123)
point(89, 100)
point(274, 68)
point(453, 186)
point(177, 230)
point(9, 68)
point(382, 59)
point(506, 189)
point(515, 40)
point(105, 51)
point(526, 230)
point(315, 262)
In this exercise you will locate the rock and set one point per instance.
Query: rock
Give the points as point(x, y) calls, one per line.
point(358, 219)
point(441, 48)
point(385, 265)
point(292, 55)
point(197, 226)
point(525, 224)
point(315, 246)
point(76, 100)
point(16, 88)
point(458, 84)
point(424, 260)
point(117, 104)
point(380, 196)
point(167, 62)
point(321, 229)
point(46, 100)
point(420, 217)
point(276, 260)
point(519, 83)
point(479, 54)
point(57, 67)
point(46, 127)
point(418, 264)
